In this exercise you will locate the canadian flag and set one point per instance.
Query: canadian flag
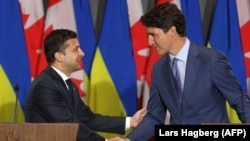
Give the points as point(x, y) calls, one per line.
point(60, 14)
point(33, 21)
point(243, 8)
point(140, 45)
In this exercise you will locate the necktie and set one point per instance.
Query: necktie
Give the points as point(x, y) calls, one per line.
point(70, 88)
point(177, 79)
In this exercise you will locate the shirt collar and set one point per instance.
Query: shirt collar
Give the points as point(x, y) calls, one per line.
point(182, 54)
point(63, 76)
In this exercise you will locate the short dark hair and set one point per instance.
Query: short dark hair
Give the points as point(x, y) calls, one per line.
point(165, 16)
point(55, 41)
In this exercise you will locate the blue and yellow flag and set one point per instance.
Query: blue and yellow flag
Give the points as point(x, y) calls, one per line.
point(191, 10)
point(14, 64)
point(113, 75)
point(225, 36)
point(86, 36)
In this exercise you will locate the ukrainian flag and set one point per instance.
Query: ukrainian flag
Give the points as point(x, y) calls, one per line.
point(87, 38)
point(191, 11)
point(113, 74)
point(14, 64)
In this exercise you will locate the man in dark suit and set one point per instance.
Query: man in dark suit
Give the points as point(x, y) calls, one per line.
point(52, 99)
point(202, 81)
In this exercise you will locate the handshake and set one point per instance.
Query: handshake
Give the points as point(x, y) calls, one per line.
point(134, 121)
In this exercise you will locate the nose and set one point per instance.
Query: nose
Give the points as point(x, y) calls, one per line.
point(81, 52)
point(150, 41)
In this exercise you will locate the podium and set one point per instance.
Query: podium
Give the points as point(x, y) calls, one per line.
point(38, 131)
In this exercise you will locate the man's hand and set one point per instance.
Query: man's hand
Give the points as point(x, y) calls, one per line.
point(117, 139)
point(137, 117)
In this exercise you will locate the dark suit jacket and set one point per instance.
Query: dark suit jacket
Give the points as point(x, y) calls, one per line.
point(209, 82)
point(48, 101)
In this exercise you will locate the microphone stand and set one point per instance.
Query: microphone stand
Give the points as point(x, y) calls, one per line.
point(16, 88)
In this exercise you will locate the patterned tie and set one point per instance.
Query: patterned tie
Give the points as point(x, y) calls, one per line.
point(70, 88)
point(177, 79)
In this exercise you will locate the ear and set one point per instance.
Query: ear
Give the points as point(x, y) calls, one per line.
point(58, 56)
point(173, 31)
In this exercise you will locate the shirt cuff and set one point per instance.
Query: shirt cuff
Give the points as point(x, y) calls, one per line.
point(127, 124)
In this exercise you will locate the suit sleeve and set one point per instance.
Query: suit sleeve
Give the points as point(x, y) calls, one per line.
point(228, 85)
point(52, 105)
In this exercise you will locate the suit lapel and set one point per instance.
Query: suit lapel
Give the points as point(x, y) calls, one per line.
point(61, 87)
point(193, 63)
point(168, 91)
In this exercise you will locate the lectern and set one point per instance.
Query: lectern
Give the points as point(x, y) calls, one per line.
point(38, 131)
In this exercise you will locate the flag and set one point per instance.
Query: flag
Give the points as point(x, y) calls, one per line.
point(55, 20)
point(163, 1)
point(139, 43)
point(14, 64)
point(225, 36)
point(243, 8)
point(191, 11)
point(87, 39)
point(33, 22)
point(113, 75)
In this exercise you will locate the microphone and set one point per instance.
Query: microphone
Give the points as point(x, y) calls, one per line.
point(16, 88)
